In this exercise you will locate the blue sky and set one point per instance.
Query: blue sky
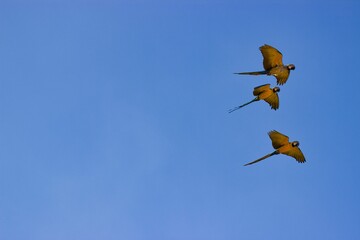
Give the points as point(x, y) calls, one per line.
point(114, 123)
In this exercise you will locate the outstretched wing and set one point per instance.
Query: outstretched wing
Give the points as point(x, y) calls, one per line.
point(296, 153)
point(278, 139)
point(272, 57)
point(281, 73)
point(260, 89)
point(273, 101)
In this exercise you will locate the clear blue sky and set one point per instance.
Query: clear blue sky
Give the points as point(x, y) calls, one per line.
point(114, 123)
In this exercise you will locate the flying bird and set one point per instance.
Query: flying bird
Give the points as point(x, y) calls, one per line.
point(273, 65)
point(264, 92)
point(282, 145)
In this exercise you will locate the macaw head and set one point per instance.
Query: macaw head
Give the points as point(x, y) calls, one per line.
point(291, 67)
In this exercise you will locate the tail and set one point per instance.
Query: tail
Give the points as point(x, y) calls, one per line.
point(236, 108)
point(260, 159)
point(253, 73)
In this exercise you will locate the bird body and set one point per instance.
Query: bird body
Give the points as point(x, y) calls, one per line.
point(273, 65)
point(282, 146)
point(263, 92)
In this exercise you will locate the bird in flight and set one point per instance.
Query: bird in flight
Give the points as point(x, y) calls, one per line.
point(273, 65)
point(264, 92)
point(282, 145)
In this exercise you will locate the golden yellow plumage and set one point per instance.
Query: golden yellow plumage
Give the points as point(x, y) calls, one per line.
point(273, 65)
point(272, 57)
point(282, 146)
point(264, 92)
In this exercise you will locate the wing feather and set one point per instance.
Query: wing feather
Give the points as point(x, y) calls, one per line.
point(273, 101)
point(278, 139)
point(281, 73)
point(296, 153)
point(260, 89)
point(272, 57)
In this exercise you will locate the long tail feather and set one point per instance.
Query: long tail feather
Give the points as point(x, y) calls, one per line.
point(236, 108)
point(253, 73)
point(260, 159)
